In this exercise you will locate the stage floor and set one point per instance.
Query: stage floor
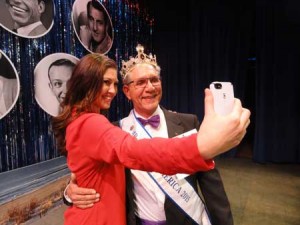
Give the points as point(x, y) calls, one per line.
point(260, 194)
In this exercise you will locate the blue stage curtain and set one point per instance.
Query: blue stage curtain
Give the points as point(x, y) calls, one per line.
point(277, 92)
point(253, 44)
point(198, 42)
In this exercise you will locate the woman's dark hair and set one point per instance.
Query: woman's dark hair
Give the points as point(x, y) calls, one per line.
point(83, 87)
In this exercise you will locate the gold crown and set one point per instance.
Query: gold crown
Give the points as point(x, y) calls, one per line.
point(141, 57)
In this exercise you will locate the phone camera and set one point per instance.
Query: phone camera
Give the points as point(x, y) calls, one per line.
point(218, 85)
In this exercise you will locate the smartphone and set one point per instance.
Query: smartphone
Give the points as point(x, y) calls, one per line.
point(223, 96)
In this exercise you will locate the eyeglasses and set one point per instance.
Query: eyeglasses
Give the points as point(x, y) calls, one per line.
point(141, 83)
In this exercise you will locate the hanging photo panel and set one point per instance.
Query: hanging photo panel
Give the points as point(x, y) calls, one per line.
point(28, 19)
point(92, 25)
point(9, 85)
point(50, 80)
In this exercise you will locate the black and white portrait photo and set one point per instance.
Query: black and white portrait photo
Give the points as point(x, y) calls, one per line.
point(92, 25)
point(27, 18)
point(50, 80)
point(9, 85)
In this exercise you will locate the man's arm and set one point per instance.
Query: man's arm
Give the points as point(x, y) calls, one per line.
point(80, 197)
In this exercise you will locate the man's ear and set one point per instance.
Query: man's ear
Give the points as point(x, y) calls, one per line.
point(50, 85)
point(42, 7)
point(126, 91)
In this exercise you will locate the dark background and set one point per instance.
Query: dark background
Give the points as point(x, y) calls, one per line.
point(6, 69)
point(255, 45)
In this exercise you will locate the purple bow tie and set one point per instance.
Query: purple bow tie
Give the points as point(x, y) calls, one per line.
point(153, 121)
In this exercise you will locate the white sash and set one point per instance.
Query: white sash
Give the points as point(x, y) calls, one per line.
point(177, 188)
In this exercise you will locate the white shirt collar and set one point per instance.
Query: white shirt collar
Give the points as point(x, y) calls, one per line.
point(162, 130)
point(158, 111)
point(27, 29)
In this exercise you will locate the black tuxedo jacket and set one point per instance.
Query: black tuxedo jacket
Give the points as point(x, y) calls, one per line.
point(210, 183)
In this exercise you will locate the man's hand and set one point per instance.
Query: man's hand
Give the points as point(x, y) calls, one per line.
point(81, 197)
point(217, 133)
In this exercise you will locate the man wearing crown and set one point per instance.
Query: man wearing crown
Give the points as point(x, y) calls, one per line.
point(153, 198)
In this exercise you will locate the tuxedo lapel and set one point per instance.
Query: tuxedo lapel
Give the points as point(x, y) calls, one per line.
point(175, 127)
point(173, 123)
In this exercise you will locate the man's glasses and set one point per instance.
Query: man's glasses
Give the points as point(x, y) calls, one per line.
point(142, 83)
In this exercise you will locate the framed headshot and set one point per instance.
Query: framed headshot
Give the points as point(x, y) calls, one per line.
point(51, 75)
point(27, 18)
point(92, 25)
point(9, 85)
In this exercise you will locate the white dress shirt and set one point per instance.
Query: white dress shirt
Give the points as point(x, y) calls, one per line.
point(149, 198)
